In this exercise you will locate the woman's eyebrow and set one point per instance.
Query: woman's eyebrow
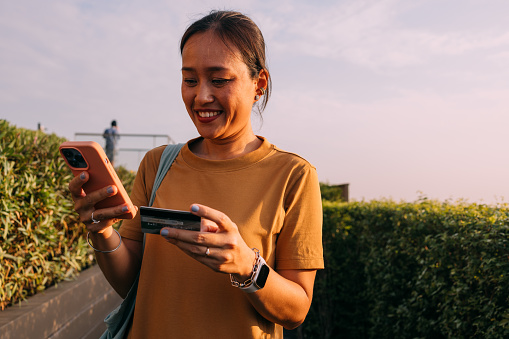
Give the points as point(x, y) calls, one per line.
point(208, 69)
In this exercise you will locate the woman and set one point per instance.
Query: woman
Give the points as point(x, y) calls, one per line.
point(255, 201)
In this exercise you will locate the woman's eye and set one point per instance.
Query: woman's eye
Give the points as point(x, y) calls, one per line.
point(190, 82)
point(220, 82)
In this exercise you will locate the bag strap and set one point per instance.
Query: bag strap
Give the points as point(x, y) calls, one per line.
point(167, 158)
point(117, 322)
point(169, 155)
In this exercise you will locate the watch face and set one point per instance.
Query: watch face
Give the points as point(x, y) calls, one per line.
point(262, 276)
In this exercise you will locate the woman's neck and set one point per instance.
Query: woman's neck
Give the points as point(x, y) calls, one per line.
point(224, 150)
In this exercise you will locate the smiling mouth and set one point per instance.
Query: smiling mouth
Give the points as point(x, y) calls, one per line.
point(208, 114)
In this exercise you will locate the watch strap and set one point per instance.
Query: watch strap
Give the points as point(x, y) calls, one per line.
point(250, 285)
point(253, 287)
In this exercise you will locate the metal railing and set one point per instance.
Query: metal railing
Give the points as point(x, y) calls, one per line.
point(127, 146)
point(154, 136)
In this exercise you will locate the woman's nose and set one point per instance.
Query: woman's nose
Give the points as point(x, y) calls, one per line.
point(204, 94)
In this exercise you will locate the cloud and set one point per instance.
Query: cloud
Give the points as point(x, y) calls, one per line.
point(501, 58)
point(376, 93)
point(442, 144)
point(62, 60)
point(373, 34)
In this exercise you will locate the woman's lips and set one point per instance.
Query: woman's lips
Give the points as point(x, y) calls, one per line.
point(208, 116)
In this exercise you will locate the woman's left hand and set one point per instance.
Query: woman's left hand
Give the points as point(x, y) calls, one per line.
point(218, 245)
point(287, 294)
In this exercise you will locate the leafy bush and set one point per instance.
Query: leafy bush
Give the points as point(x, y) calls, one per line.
point(42, 241)
point(412, 270)
point(393, 270)
point(334, 192)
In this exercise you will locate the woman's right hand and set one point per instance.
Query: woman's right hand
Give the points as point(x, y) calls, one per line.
point(119, 259)
point(84, 205)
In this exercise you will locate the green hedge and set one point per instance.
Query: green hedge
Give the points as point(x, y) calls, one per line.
point(42, 241)
point(412, 270)
point(393, 270)
point(333, 192)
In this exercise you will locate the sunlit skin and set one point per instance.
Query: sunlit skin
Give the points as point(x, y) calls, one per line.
point(219, 94)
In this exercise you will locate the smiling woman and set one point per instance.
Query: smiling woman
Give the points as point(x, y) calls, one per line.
point(221, 81)
point(242, 36)
point(250, 269)
point(219, 93)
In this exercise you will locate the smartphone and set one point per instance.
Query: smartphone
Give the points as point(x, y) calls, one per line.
point(154, 219)
point(89, 156)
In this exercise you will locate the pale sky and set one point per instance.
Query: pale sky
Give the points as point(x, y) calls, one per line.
point(400, 99)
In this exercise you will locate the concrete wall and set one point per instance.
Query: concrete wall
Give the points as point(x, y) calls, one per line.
point(73, 309)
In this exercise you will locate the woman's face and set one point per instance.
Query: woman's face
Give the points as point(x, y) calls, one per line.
point(217, 89)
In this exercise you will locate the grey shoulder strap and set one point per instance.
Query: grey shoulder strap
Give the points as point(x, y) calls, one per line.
point(169, 155)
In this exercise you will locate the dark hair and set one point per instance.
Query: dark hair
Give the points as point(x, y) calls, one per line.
point(240, 31)
point(113, 123)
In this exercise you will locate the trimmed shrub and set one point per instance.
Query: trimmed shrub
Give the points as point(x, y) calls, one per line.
point(334, 192)
point(393, 270)
point(42, 241)
point(412, 270)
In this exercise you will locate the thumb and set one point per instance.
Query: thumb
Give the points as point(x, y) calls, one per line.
point(220, 221)
point(208, 226)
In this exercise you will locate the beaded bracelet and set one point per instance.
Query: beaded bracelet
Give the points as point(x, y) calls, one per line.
point(113, 250)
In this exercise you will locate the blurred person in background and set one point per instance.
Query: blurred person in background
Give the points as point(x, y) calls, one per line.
point(111, 136)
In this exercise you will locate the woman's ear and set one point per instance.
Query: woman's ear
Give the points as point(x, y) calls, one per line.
point(262, 81)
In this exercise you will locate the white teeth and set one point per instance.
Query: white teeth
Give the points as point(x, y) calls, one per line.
point(208, 114)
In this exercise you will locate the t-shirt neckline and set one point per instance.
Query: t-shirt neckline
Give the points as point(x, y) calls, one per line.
point(198, 163)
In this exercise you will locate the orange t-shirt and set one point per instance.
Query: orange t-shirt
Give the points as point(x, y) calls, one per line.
point(273, 197)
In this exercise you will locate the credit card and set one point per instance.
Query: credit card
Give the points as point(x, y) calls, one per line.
point(153, 219)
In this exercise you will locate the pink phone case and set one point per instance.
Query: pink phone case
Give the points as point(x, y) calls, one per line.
point(101, 172)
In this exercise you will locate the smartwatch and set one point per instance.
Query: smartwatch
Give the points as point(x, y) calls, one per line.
point(258, 277)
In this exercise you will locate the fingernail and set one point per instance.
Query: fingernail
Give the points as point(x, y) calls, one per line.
point(125, 208)
point(110, 189)
point(165, 232)
point(195, 208)
point(82, 176)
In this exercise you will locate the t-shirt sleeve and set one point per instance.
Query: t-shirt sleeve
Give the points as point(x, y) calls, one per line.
point(140, 195)
point(299, 245)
